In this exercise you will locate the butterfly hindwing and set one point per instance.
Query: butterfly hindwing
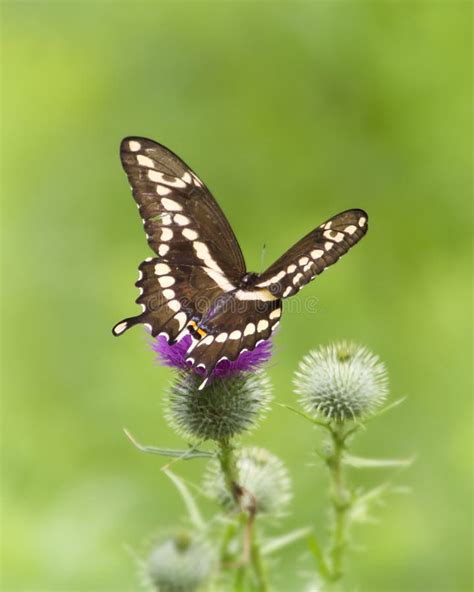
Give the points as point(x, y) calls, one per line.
point(171, 296)
point(239, 327)
point(312, 254)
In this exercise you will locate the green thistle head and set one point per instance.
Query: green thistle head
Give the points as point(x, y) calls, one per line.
point(341, 382)
point(227, 407)
point(179, 563)
point(262, 475)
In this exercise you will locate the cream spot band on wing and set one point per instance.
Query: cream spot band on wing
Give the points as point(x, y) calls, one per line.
point(160, 178)
point(162, 190)
point(362, 221)
point(297, 278)
point(249, 329)
point(134, 146)
point(182, 320)
point(262, 295)
point(220, 279)
point(162, 250)
point(207, 340)
point(171, 205)
point(174, 305)
point(333, 235)
point(181, 220)
point(262, 325)
point(162, 269)
point(166, 234)
point(166, 281)
point(197, 181)
point(202, 252)
point(145, 161)
point(190, 234)
point(120, 328)
point(272, 280)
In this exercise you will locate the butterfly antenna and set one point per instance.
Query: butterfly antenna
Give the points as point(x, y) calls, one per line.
point(262, 257)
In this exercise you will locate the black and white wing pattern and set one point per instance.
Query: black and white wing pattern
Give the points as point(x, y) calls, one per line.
point(198, 256)
point(312, 254)
point(176, 207)
point(197, 283)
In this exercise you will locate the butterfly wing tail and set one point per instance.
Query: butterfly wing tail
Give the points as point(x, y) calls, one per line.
point(162, 312)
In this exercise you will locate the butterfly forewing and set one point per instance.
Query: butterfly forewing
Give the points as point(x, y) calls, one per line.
point(312, 254)
point(183, 222)
point(187, 230)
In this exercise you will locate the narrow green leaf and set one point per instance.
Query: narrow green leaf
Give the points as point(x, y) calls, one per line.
point(179, 454)
point(193, 510)
point(304, 415)
point(318, 554)
point(363, 502)
point(277, 543)
point(387, 408)
point(359, 462)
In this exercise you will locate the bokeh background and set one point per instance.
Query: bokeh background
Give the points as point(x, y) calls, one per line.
point(290, 111)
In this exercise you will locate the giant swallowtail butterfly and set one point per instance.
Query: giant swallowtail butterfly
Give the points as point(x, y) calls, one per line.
point(198, 282)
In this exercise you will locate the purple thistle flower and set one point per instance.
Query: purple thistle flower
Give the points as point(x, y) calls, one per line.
point(175, 356)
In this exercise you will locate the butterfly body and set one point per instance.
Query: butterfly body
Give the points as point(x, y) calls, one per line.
point(198, 283)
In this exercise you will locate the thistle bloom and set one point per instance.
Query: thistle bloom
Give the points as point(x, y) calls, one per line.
point(179, 563)
point(341, 382)
point(261, 474)
point(225, 409)
point(175, 356)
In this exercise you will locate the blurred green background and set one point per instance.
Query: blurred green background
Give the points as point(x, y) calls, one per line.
point(290, 112)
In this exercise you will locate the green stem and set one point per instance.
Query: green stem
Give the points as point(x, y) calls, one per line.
point(340, 505)
point(239, 581)
point(252, 553)
point(258, 564)
point(229, 534)
point(228, 465)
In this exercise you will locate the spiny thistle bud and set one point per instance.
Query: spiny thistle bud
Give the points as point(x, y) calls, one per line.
point(179, 563)
point(262, 476)
point(225, 408)
point(341, 382)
